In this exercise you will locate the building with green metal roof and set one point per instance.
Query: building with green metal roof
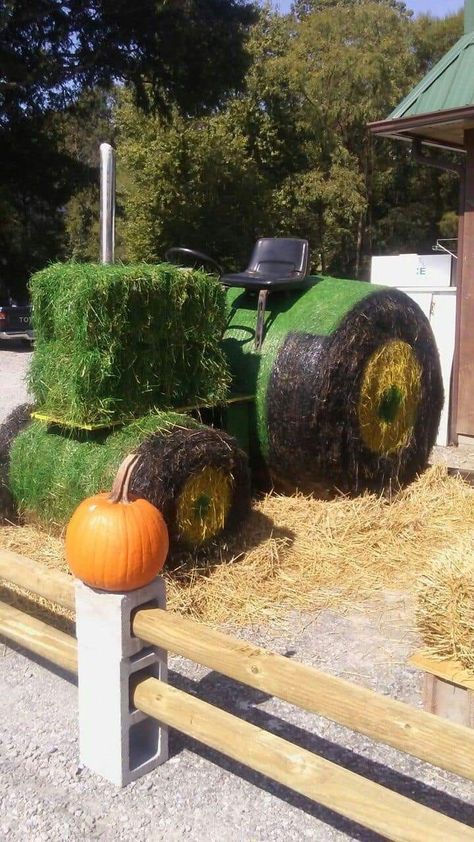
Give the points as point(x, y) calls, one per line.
point(441, 107)
point(439, 112)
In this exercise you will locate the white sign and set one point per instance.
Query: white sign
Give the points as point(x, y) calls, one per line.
point(439, 306)
point(412, 270)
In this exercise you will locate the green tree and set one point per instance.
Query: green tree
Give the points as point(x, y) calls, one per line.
point(36, 180)
point(349, 62)
point(188, 182)
point(81, 129)
point(414, 204)
point(207, 182)
point(189, 55)
point(433, 37)
point(291, 155)
point(300, 8)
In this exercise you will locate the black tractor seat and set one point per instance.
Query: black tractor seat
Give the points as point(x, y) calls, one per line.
point(277, 264)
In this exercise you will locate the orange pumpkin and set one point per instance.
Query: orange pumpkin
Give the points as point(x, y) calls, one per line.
point(116, 543)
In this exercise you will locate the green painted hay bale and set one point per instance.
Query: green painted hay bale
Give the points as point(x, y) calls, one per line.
point(16, 421)
point(114, 342)
point(197, 476)
point(52, 470)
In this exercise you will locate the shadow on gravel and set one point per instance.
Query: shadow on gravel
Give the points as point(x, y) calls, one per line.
point(241, 700)
point(37, 659)
point(16, 345)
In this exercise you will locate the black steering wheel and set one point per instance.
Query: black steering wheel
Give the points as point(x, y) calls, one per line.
point(198, 256)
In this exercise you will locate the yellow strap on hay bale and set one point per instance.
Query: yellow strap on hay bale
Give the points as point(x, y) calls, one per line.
point(62, 422)
point(45, 418)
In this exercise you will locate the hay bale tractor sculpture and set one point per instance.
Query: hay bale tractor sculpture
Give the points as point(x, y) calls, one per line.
point(311, 380)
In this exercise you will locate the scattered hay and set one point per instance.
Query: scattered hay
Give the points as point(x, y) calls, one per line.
point(445, 609)
point(306, 554)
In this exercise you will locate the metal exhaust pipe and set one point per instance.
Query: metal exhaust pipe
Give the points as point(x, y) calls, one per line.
point(107, 203)
point(468, 16)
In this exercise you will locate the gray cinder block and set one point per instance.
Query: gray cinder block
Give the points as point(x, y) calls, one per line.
point(115, 740)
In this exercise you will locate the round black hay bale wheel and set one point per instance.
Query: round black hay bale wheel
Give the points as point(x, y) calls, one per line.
point(199, 480)
point(13, 424)
point(358, 408)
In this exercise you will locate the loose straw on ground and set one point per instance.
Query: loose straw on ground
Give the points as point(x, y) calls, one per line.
point(306, 554)
point(445, 607)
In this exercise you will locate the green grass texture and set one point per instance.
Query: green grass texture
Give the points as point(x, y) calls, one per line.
point(114, 342)
point(52, 470)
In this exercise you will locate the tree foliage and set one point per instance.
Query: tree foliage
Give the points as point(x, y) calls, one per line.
point(300, 8)
point(183, 53)
point(188, 52)
point(433, 37)
point(205, 161)
point(291, 155)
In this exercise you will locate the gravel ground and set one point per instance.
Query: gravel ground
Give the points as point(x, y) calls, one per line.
point(198, 794)
point(14, 359)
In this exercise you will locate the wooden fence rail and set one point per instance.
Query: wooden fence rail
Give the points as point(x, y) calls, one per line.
point(353, 796)
point(423, 735)
point(370, 804)
point(28, 574)
point(381, 718)
point(38, 637)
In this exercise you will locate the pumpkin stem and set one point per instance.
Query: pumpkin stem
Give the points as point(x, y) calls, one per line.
point(119, 493)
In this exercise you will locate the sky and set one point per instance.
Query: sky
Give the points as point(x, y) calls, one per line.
point(437, 8)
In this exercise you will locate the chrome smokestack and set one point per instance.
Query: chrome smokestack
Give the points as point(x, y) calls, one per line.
point(107, 203)
point(468, 16)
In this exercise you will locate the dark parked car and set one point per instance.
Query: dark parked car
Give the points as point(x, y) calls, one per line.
point(15, 320)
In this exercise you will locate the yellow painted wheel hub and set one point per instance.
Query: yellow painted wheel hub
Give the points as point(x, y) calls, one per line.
point(203, 505)
point(389, 397)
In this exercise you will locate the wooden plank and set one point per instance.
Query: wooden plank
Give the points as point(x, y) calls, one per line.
point(465, 356)
point(454, 396)
point(38, 637)
point(467, 476)
point(428, 692)
point(449, 670)
point(444, 744)
point(54, 585)
point(448, 688)
point(450, 700)
point(370, 804)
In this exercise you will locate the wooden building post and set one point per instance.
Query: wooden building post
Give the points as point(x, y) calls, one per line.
point(464, 368)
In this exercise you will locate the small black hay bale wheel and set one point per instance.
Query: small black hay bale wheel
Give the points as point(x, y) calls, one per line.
point(198, 478)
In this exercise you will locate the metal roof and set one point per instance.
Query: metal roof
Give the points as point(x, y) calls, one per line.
point(437, 128)
point(450, 84)
point(441, 107)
